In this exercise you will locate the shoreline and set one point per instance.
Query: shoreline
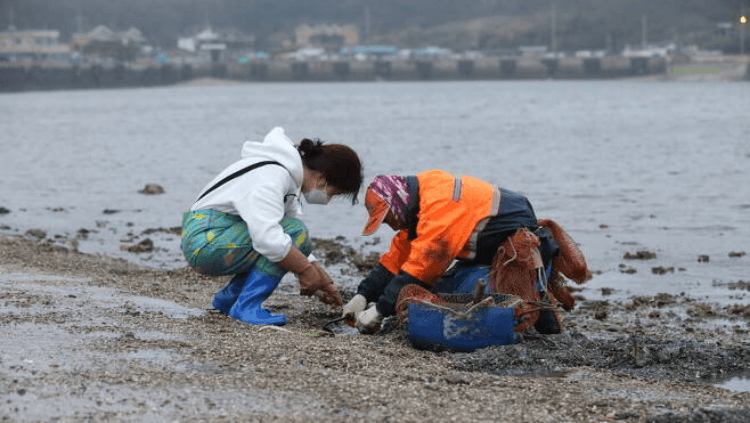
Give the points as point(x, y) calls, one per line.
point(702, 71)
point(49, 76)
point(98, 338)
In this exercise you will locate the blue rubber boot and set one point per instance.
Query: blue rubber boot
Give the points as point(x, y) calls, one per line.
point(258, 287)
point(225, 299)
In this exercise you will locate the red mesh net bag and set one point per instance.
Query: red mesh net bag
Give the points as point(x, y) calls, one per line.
point(569, 263)
point(413, 294)
point(515, 270)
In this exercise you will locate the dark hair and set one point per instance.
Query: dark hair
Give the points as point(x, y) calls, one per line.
point(338, 163)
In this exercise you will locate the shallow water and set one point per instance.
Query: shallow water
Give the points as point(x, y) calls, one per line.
point(736, 384)
point(107, 298)
point(624, 166)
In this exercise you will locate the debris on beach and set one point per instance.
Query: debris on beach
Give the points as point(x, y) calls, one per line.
point(145, 246)
point(36, 233)
point(737, 285)
point(336, 252)
point(662, 270)
point(174, 230)
point(640, 255)
point(627, 270)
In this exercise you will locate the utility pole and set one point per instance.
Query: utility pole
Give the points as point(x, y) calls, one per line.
point(743, 22)
point(553, 27)
point(608, 36)
point(367, 24)
point(643, 32)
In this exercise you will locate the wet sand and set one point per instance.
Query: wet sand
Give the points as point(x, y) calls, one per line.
point(91, 338)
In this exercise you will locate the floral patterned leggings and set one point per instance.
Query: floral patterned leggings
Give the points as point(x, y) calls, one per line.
point(216, 243)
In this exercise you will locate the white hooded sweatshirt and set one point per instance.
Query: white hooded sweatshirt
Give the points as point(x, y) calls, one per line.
point(264, 195)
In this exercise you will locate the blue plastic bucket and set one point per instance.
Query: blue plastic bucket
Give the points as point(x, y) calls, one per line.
point(448, 326)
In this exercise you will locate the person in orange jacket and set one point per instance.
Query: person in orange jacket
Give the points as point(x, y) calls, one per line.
point(439, 217)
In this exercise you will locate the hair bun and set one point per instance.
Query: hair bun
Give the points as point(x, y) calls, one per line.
point(309, 148)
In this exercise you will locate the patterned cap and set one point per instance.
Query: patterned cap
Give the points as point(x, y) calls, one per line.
point(385, 193)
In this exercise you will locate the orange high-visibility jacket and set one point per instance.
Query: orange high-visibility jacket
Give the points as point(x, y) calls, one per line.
point(452, 212)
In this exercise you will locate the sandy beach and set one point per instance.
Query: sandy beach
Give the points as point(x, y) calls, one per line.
point(92, 338)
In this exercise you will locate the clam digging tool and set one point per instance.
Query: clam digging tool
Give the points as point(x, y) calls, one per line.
point(331, 322)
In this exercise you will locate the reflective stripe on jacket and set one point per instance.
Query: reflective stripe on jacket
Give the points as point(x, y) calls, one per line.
point(452, 212)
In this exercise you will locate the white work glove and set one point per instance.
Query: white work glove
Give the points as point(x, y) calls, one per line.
point(369, 320)
point(356, 305)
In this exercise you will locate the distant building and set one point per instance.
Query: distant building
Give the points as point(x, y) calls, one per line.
point(589, 54)
point(330, 37)
point(228, 42)
point(500, 52)
point(662, 49)
point(37, 45)
point(103, 43)
point(432, 52)
point(532, 51)
point(725, 30)
point(362, 52)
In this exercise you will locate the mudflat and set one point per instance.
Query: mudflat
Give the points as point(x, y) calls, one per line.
point(92, 338)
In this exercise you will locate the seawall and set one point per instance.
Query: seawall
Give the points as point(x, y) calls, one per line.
point(29, 77)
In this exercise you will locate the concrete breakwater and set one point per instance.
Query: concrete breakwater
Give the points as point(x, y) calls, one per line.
point(15, 77)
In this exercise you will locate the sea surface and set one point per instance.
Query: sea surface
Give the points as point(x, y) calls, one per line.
point(625, 166)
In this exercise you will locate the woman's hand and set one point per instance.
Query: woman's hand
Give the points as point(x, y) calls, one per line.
point(313, 280)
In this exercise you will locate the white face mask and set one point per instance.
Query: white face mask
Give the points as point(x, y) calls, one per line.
point(317, 196)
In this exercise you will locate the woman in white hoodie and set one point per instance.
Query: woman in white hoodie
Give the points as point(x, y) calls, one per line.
point(246, 221)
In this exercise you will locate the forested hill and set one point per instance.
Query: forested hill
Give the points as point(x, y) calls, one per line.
point(458, 24)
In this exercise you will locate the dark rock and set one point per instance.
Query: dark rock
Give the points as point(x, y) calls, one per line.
point(152, 189)
point(36, 233)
